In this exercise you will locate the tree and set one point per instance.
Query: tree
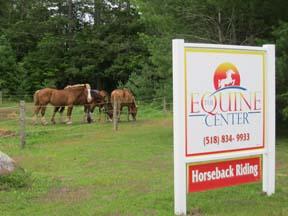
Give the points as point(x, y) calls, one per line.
point(11, 79)
point(281, 33)
point(208, 21)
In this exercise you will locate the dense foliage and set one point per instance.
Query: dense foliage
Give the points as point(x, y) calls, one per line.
point(116, 43)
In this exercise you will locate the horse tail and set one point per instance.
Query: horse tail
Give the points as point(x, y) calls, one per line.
point(35, 98)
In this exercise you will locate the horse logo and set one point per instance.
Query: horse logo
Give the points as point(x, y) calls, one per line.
point(226, 75)
point(228, 81)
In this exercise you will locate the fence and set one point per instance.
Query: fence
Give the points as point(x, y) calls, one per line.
point(17, 116)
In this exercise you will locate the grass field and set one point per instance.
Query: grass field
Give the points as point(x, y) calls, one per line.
point(84, 169)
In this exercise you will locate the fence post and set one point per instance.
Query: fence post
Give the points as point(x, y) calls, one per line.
point(164, 105)
point(115, 116)
point(22, 124)
point(1, 96)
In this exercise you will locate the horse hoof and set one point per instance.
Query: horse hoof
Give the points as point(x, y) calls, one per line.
point(65, 121)
point(34, 122)
point(89, 120)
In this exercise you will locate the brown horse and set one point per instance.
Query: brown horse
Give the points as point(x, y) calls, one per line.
point(99, 99)
point(77, 95)
point(104, 105)
point(121, 98)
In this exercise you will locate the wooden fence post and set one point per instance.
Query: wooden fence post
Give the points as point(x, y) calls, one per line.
point(22, 124)
point(164, 105)
point(115, 116)
point(1, 96)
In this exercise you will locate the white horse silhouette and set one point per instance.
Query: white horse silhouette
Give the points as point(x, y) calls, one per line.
point(228, 81)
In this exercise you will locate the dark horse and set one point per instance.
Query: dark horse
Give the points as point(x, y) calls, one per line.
point(77, 95)
point(101, 100)
point(121, 98)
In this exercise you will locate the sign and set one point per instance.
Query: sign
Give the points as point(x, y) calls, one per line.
point(222, 174)
point(223, 117)
point(224, 100)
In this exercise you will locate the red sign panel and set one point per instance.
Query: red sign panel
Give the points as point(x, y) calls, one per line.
point(222, 174)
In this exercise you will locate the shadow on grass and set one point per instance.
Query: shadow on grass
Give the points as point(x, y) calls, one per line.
point(282, 133)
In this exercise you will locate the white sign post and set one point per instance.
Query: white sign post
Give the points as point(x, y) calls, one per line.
point(224, 109)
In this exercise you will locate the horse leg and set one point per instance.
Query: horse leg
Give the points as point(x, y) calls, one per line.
point(109, 112)
point(89, 118)
point(106, 116)
point(53, 116)
point(43, 120)
point(91, 110)
point(85, 117)
point(35, 115)
point(69, 113)
point(61, 114)
point(128, 113)
point(100, 112)
point(119, 110)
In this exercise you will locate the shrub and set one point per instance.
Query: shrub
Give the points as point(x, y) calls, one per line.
point(18, 179)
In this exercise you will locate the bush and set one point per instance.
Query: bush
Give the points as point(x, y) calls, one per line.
point(18, 179)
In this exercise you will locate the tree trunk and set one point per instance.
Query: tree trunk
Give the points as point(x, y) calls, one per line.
point(220, 34)
point(233, 29)
point(97, 12)
point(22, 10)
point(70, 16)
point(128, 5)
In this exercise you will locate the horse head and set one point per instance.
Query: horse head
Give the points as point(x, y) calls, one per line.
point(229, 73)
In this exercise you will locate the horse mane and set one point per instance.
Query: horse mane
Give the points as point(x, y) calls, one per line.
point(130, 90)
point(77, 85)
point(132, 94)
point(35, 97)
point(95, 91)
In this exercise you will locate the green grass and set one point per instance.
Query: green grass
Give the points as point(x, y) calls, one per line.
point(84, 169)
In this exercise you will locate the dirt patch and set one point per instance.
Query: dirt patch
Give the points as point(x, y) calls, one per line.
point(195, 212)
point(167, 123)
point(280, 165)
point(9, 113)
point(67, 195)
point(18, 159)
point(6, 133)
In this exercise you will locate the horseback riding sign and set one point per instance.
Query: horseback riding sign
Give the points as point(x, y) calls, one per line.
point(224, 117)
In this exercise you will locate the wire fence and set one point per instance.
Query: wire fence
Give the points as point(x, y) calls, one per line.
point(17, 117)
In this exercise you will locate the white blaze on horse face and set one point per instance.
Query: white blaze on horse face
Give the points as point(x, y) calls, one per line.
point(89, 98)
